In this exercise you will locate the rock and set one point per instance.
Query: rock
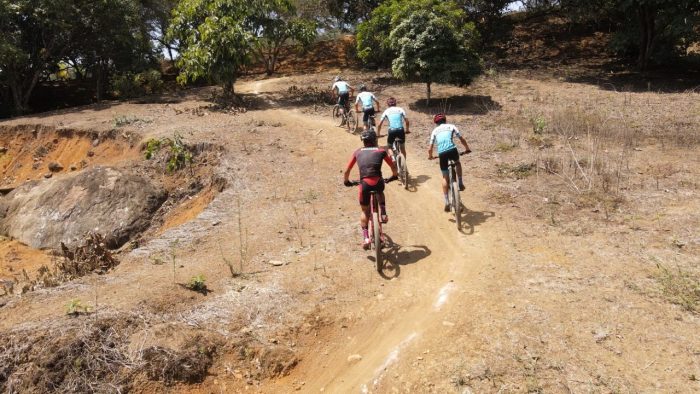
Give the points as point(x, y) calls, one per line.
point(90, 153)
point(276, 263)
point(48, 175)
point(354, 358)
point(117, 203)
point(95, 142)
point(216, 223)
point(3, 150)
point(448, 323)
point(73, 167)
point(55, 166)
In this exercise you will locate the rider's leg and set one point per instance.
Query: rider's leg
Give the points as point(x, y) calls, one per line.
point(403, 149)
point(445, 188)
point(364, 219)
point(382, 208)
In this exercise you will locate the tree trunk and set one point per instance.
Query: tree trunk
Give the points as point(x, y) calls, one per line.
point(427, 90)
point(647, 35)
point(228, 89)
point(98, 78)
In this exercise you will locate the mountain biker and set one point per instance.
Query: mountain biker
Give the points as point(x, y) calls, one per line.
point(443, 135)
point(369, 162)
point(398, 124)
point(369, 104)
point(343, 91)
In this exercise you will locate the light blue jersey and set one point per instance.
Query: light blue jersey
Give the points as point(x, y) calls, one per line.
point(366, 99)
point(396, 115)
point(342, 86)
point(442, 137)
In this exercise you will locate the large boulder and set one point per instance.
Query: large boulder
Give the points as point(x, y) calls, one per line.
point(112, 202)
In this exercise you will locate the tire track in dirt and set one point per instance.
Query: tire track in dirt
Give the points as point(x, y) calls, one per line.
point(392, 324)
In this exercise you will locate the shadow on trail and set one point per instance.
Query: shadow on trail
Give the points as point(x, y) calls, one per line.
point(457, 105)
point(396, 255)
point(471, 219)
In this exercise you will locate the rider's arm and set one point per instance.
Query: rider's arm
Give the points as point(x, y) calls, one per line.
point(406, 124)
point(348, 168)
point(376, 102)
point(379, 126)
point(464, 142)
point(390, 162)
point(430, 151)
point(357, 103)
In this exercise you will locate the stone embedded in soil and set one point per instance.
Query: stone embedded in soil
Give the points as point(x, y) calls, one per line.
point(276, 263)
point(116, 203)
point(55, 166)
point(73, 167)
point(48, 175)
point(354, 358)
point(3, 150)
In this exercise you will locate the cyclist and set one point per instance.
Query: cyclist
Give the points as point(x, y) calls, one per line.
point(443, 135)
point(398, 124)
point(369, 162)
point(343, 91)
point(369, 105)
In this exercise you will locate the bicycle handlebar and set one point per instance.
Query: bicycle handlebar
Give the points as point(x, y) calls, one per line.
point(460, 153)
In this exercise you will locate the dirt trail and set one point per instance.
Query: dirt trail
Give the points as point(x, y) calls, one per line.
point(412, 307)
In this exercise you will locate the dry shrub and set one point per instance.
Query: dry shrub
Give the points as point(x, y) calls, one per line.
point(190, 364)
point(597, 151)
point(92, 256)
point(91, 358)
point(680, 287)
point(309, 95)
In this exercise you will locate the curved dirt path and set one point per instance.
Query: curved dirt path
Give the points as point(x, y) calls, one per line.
point(438, 265)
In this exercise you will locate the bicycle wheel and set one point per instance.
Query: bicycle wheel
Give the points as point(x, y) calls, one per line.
point(335, 112)
point(352, 123)
point(403, 171)
point(456, 204)
point(377, 235)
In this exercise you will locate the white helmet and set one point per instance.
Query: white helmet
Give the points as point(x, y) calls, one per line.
point(337, 78)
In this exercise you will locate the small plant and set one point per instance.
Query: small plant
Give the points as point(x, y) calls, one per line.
point(180, 156)
point(152, 146)
point(519, 172)
point(75, 307)
point(198, 284)
point(539, 124)
point(504, 147)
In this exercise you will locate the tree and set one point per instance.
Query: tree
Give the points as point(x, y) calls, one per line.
point(213, 41)
point(275, 24)
point(111, 36)
point(650, 30)
point(435, 48)
point(34, 36)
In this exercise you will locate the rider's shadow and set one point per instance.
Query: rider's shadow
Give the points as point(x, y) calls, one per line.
point(397, 255)
point(472, 219)
point(414, 182)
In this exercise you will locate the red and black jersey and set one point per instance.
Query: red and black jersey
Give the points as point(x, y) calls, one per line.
point(369, 161)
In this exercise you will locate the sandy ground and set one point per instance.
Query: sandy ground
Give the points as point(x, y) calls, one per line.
point(512, 303)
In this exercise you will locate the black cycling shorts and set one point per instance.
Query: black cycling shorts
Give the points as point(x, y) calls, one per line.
point(343, 99)
point(394, 134)
point(452, 154)
point(366, 187)
point(367, 113)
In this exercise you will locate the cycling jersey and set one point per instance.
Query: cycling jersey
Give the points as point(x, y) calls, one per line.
point(442, 137)
point(369, 161)
point(395, 116)
point(366, 98)
point(342, 87)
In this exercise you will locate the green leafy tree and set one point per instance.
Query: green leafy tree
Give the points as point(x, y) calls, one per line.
point(275, 24)
point(435, 48)
point(34, 36)
point(213, 40)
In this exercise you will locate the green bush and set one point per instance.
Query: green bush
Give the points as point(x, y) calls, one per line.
point(130, 85)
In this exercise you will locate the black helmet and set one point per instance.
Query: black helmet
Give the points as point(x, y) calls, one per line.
point(368, 136)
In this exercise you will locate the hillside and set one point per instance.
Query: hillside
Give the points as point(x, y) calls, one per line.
point(576, 269)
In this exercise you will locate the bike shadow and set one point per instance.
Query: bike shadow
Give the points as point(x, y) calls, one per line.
point(414, 182)
point(397, 255)
point(473, 219)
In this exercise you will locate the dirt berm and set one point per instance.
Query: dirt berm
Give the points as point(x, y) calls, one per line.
point(115, 203)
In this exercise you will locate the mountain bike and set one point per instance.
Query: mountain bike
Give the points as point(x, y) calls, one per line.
point(371, 122)
point(375, 226)
point(453, 192)
point(345, 117)
point(400, 161)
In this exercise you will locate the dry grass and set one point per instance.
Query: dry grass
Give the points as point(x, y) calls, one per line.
point(680, 287)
